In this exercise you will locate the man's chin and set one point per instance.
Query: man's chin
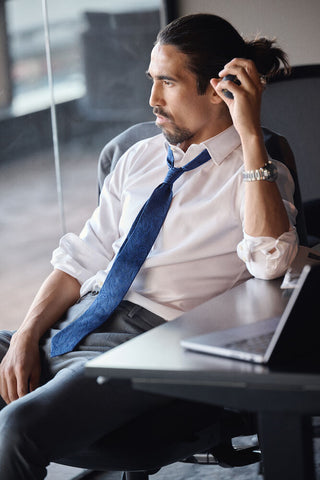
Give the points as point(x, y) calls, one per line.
point(176, 137)
point(173, 134)
point(169, 136)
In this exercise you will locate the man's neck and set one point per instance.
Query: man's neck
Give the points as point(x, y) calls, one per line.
point(215, 129)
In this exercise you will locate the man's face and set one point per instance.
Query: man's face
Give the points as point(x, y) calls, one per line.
point(184, 116)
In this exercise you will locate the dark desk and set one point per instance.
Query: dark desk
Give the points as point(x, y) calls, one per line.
point(284, 400)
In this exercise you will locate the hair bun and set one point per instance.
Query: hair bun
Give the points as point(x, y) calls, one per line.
point(267, 57)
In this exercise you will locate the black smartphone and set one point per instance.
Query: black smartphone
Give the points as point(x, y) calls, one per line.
point(233, 79)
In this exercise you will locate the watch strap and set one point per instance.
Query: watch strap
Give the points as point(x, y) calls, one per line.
point(268, 172)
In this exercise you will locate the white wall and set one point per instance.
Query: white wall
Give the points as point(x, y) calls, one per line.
point(295, 23)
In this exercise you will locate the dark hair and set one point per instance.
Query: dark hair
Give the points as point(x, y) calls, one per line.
point(210, 42)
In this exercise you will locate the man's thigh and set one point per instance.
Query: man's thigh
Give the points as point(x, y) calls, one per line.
point(72, 411)
point(69, 410)
point(127, 321)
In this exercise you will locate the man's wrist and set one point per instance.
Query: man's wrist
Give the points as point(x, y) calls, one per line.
point(27, 335)
point(255, 155)
point(268, 173)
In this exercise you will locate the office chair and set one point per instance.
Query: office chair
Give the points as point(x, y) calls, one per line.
point(291, 104)
point(182, 430)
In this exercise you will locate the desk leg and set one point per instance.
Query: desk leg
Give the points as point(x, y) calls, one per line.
point(287, 448)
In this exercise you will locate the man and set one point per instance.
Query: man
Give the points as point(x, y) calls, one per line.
point(219, 230)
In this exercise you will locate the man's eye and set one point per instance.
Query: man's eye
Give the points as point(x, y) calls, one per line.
point(167, 82)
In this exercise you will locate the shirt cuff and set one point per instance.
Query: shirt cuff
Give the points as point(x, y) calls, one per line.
point(255, 252)
point(75, 257)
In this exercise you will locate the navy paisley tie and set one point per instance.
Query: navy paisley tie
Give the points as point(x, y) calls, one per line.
point(128, 261)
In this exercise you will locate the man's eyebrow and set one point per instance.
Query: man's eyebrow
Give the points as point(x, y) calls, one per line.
point(161, 77)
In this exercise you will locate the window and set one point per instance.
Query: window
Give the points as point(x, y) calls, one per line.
point(99, 53)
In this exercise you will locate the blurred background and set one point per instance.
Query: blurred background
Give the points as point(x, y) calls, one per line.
point(99, 54)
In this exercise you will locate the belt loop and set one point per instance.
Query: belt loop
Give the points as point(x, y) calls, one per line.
point(133, 310)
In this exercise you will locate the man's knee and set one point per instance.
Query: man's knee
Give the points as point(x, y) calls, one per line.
point(14, 419)
point(22, 420)
point(21, 453)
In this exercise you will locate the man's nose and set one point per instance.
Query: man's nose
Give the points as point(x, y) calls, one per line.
point(155, 96)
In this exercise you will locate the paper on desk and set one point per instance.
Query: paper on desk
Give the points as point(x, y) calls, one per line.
point(305, 256)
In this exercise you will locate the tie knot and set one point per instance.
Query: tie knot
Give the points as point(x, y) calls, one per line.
point(173, 174)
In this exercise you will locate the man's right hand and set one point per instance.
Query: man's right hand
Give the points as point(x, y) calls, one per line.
point(20, 368)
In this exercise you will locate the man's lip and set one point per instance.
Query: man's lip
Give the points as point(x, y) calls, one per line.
point(161, 118)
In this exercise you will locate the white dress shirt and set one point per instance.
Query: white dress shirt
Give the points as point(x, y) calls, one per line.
point(201, 249)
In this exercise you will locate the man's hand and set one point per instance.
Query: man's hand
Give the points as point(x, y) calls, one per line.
point(245, 106)
point(20, 368)
point(264, 214)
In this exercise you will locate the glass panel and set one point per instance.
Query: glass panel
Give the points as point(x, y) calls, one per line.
point(100, 51)
point(29, 223)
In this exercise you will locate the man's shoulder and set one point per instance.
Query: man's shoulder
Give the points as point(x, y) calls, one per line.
point(135, 137)
point(148, 146)
point(152, 141)
point(126, 146)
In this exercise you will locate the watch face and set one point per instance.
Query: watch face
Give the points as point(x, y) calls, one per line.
point(270, 172)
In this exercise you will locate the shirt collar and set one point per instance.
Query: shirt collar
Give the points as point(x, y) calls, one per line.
point(219, 147)
point(223, 144)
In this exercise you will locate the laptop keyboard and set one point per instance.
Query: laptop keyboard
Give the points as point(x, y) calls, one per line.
point(257, 344)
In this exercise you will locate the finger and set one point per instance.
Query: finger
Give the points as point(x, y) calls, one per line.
point(242, 66)
point(246, 73)
point(8, 388)
point(221, 86)
point(22, 383)
point(12, 393)
point(3, 388)
point(34, 380)
point(230, 85)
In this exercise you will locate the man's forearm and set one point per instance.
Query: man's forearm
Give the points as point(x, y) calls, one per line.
point(265, 214)
point(58, 292)
point(20, 368)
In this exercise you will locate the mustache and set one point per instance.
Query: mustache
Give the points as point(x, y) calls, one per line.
point(159, 111)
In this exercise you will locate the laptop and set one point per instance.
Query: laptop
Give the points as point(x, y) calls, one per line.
point(293, 334)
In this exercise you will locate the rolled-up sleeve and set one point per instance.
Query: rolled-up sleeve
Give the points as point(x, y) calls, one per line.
point(268, 257)
point(77, 258)
point(255, 252)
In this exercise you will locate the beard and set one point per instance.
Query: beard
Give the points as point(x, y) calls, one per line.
point(176, 134)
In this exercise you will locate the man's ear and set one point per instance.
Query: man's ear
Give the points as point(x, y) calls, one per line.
point(214, 96)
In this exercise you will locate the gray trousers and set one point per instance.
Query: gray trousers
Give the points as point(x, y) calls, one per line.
point(70, 411)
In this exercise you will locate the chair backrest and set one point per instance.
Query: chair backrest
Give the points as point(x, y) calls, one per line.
point(279, 149)
point(291, 106)
point(276, 145)
point(114, 149)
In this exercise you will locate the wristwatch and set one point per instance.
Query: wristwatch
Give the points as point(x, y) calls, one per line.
point(268, 172)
